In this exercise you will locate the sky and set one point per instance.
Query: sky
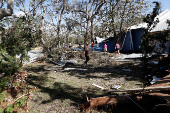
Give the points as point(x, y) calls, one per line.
point(165, 4)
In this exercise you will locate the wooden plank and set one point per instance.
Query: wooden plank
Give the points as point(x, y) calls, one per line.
point(143, 89)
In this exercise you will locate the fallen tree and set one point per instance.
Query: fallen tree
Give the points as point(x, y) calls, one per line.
point(127, 103)
point(107, 101)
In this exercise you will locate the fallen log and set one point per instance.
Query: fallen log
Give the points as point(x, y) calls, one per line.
point(107, 100)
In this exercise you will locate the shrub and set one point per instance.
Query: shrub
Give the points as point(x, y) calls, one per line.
point(9, 109)
point(3, 95)
point(1, 110)
point(20, 102)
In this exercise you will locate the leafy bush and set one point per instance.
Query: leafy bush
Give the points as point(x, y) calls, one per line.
point(9, 109)
point(1, 110)
point(20, 102)
point(3, 84)
point(3, 95)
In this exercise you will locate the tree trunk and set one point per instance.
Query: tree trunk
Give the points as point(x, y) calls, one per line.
point(8, 11)
point(68, 35)
point(59, 24)
point(41, 31)
point(122, 20)
point(92, 30)
point(87, 30)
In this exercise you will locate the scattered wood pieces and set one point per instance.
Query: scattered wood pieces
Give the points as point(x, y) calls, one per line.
point(98, 86)
point(74, 69)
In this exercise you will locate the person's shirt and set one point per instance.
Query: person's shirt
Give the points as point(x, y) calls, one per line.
point(92, 44)
point(105, 46)
point(117, 46)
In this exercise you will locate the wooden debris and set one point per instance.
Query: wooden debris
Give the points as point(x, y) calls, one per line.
point(143, 89)
point(98, 86)
point(26, 94)
point(103, 101)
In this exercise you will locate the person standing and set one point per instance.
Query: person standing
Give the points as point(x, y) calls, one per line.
point(86, 53)
point(105, 47)
point(117, 48)
point(92, 46)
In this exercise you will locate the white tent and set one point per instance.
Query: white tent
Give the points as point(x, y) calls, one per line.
point(138, 26)
point(98, 40)
point(162, 25)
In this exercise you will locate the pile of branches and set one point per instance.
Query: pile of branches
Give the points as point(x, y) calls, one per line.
point(14, 93)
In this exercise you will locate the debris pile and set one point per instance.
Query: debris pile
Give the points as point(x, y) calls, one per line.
point(14, 92)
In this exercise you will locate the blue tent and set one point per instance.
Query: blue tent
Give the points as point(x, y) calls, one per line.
point(110, 44)
point(130, 40)
point(136, 37)
point(126, 41)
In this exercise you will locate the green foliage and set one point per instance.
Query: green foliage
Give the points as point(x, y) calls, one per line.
point(15, 84)
point(1, 110)
point(147, 36)
point(9, 109)
point(20, 102)
point(16, 40)
point(8, 64)
point(3, 95)
point(19, 38)
point(160, 36)
point(3, 83)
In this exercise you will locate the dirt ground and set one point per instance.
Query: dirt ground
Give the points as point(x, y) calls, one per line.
point(63, 90)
